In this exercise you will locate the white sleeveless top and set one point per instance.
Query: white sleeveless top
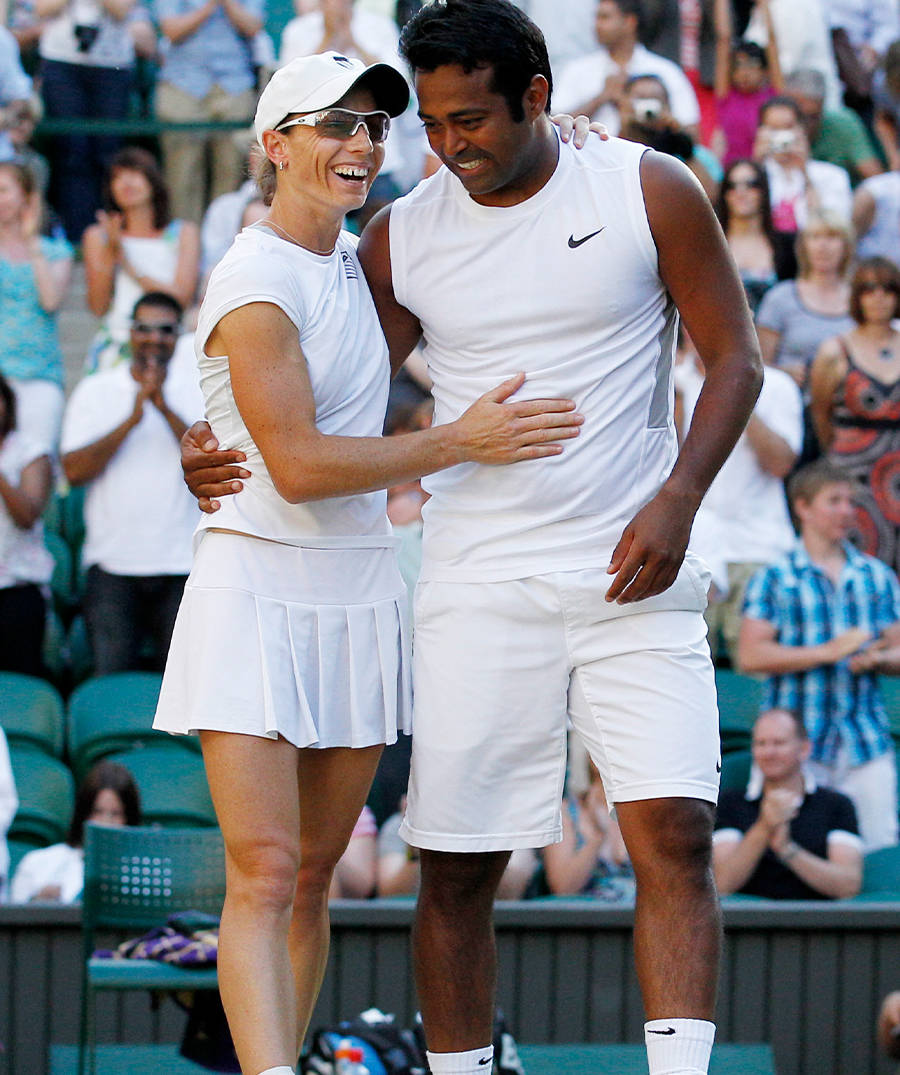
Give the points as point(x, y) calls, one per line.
point(326, 297)
point(566, 287)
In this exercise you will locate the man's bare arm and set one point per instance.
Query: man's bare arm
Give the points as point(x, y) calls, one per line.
point(760, 652)
point(699, 272)
point(401, 328)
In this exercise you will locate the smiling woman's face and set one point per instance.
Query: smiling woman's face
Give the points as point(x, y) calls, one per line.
point(332, 172)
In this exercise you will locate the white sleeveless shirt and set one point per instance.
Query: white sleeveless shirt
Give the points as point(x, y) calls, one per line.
point(327, 298)
point(566, 287)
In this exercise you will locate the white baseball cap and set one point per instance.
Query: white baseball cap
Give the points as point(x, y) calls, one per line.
point(313, 82)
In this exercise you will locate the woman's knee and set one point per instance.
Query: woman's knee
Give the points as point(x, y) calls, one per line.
point(263, 873)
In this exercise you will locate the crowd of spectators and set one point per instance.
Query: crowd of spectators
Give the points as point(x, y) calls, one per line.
point(787, 112)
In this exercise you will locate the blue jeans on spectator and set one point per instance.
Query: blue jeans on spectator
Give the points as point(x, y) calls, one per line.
point(122, 612)
point(78, 161)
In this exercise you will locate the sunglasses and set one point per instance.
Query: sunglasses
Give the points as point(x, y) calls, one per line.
point(743, 184)
point(342, 124)
point(145, 329)
point(868, 286)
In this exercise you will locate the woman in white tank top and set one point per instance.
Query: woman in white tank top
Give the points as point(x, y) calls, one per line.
point(297, 572)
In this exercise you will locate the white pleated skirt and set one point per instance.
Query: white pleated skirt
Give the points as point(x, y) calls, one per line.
point(278, 640)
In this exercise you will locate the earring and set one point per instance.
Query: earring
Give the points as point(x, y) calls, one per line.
point(281, 166)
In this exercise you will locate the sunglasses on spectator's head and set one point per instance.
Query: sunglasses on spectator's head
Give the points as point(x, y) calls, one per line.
point(144, 328)
point(343, 124)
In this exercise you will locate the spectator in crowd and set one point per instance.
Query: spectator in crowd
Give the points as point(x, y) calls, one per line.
point(646, 117)
point(594, 84)
point(876, 216)
point(344, 27)
point(15, 88)
point(25, 564)
point(354, 874)
point(798, 185)
point(855, 406)
point(886, 99)
point(398, 864)
point(745, 507)
point(121, 439)
point(207, 75)
point(9, 803)
point(889, 1025)
point(568, 28)
point(87, 67)
point(836, 135)
point(746, 77)
point(684, 32)
point(861, 31)
point(21, 118)
point(135, 247)
point(108, 795)
point(745, 214)
point(822, 623)
point(34, 277)
point(591, 860)
point(784, 837)
point(803, 39)
point(796, 316)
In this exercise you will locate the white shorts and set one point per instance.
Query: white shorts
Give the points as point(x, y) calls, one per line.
point(496, 668)
point(304, 643)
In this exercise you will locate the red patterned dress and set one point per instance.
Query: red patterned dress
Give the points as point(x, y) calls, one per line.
point(866, 445)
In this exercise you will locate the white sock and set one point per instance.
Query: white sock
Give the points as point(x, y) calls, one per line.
point(283, 1070)
point(474, 1062)
point(679, 1046)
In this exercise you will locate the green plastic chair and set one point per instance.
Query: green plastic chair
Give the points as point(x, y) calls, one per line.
point(109, 714)
point(740, 700)
point(134, 878)
point(62, 581)
point(735, 770)
point(172, 783)
point(32, 712)
point(78, 645)
point(881, 873)
point(46, 793)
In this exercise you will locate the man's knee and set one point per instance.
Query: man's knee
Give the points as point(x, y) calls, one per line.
point(669, 837)
point(452, 880)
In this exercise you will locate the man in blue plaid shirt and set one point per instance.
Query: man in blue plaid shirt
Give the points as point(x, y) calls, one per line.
point(823, 623)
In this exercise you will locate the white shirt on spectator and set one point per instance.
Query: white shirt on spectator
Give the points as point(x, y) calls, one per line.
point(222, 222)
point(568, 28)
point(829, 181)
point(585, 77)
point(23, 555)
point(59, 864)
point(139, 516)
point(875, 23)
point(752, 524)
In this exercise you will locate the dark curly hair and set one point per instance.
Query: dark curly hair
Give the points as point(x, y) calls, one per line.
point(479, 34)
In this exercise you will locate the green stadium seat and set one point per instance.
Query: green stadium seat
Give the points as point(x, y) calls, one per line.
point(108, 714)
point(134, 878)
point(740, 700)
point(81, 657)
point(881, 873)
point(62, 581)
point(735, 770)
point(31, 712)
point(172, 783)
point(46, 793)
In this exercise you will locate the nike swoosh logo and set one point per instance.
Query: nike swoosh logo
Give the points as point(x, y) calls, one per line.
point(575, 243)
point(484, 1060)
point(670, 1030)
point(718, 767)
